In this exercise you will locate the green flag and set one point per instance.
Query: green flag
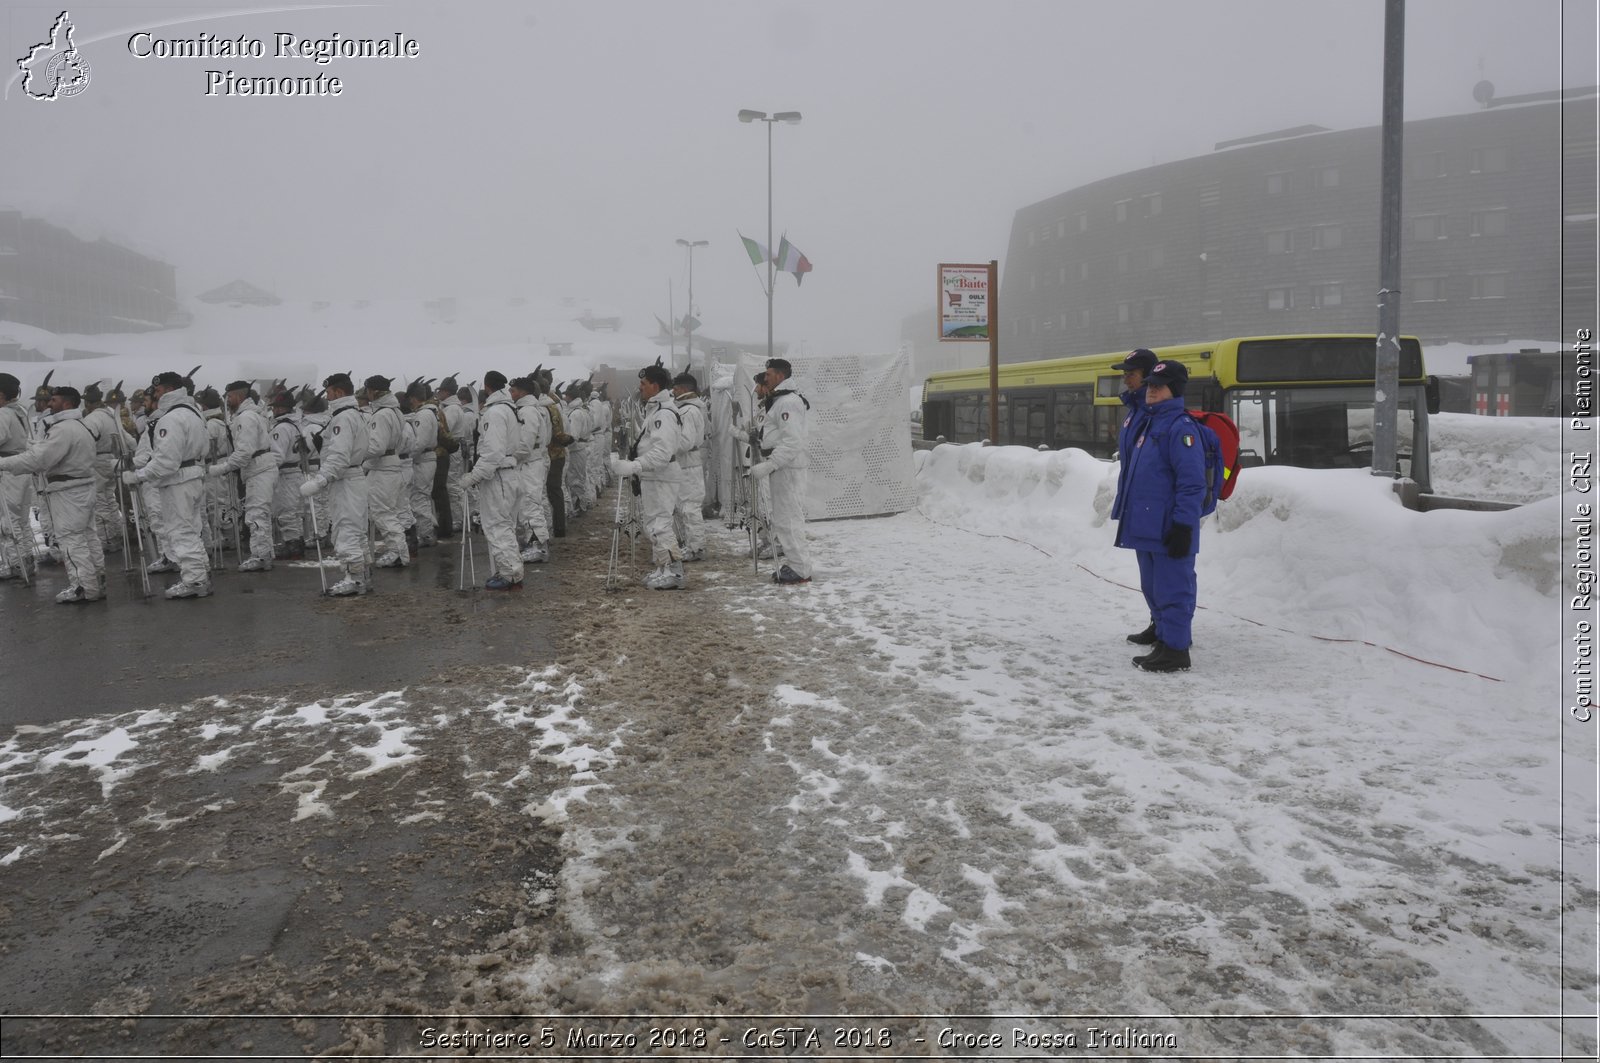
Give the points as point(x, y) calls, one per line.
point(758, 253)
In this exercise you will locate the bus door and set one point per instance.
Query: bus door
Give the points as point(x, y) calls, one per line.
point(1030, 420)
point(1073, 423)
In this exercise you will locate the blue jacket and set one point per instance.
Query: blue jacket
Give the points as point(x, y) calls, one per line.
point(1131, 424)
point(1163, 478)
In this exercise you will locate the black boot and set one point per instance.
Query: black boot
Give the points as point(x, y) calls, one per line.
point(1166, 659)
point(1143, 657)
point(411, 541)
point(1147, 637)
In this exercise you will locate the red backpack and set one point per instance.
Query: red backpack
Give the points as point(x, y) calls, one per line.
point(1220, 437)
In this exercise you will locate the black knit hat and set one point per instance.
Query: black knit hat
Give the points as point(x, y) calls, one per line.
point(1174, 375)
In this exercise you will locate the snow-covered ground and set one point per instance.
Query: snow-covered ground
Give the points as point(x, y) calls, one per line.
point(931, 782)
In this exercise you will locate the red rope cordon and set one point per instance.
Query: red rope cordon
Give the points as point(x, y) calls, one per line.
point(1245, 619)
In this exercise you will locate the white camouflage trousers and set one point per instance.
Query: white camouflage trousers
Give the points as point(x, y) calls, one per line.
point(499, 504)
point(71, 511)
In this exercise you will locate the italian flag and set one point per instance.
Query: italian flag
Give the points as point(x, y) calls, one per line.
point(790, 260)
point(758, 253)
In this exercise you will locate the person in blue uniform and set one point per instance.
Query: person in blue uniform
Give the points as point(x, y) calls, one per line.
point(1160, 490)
point(1134, 369)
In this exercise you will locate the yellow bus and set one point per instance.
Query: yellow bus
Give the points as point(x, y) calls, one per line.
point(1298, 400)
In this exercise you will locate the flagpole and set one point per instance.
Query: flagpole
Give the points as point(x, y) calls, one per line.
point(672, 324)
point(769, 238)
point(791, 118)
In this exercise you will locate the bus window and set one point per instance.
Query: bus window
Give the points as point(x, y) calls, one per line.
point(1108, 387)
point(1252, 412)
point(1319, 428)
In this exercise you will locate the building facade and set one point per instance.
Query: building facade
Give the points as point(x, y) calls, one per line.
point(1280, 234)
point(51, 279)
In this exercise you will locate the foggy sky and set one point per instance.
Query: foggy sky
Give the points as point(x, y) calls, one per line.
point(559, 148)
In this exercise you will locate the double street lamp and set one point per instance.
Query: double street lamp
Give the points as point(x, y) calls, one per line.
point(789, 118)
point(690, 323)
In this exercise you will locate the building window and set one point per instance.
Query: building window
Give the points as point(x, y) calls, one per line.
point(1083, 317)
point(1277, 184)
point(1083, 271)
point(1122, 209)
point(1487, 160)
point(1327, 237)
point(1280, 242)
point(1158, 258)
point(1325, 177)
point(1429, 164)
point(1124, 313)
point(1063, 279)
point(1489, 286)
point(1122, 261)
point(1280, 298)
point(1083, 221)
point(1427, 289)
point(1327, 295)
point(1063, 322)
point(1428, 227)
point(1033, 282)
point(1488, 223)
point(1061, 228)
point(1032, 237)
point(1152, 204)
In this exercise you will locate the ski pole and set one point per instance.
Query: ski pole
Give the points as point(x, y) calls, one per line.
point(472, 557)
point(322, 573)
point(616, 540)
point(138, 527)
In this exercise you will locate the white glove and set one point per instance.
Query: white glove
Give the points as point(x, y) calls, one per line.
point(468, 481)
point(312, 485)
point(216, 468)
point(626, 468)
point(762, 471)
point(130, 478)
point(614, 460)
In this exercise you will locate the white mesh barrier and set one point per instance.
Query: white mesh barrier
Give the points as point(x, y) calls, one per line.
point(859, 436)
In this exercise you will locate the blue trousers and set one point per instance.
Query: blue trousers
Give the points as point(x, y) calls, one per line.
point(1169, 589)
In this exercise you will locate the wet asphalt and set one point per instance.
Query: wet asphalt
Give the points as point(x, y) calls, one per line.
point(266, 633)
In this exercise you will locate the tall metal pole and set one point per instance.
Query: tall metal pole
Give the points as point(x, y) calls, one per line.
point(769, 122)
point(688, 330)
point(672, 324)
point(994, 351)
point(1386, 383)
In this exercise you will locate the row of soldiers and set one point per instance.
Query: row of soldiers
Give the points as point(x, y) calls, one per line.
point(374, 474)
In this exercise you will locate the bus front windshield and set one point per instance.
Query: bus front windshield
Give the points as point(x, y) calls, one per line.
point(1324, 427)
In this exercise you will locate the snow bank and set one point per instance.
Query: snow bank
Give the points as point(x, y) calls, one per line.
point(1508, 459)
point(1329, 553)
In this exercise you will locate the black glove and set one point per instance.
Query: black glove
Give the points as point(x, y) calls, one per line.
point(1178, 540)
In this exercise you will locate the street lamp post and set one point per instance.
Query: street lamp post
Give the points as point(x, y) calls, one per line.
point(688, 332)
point(791, 118)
